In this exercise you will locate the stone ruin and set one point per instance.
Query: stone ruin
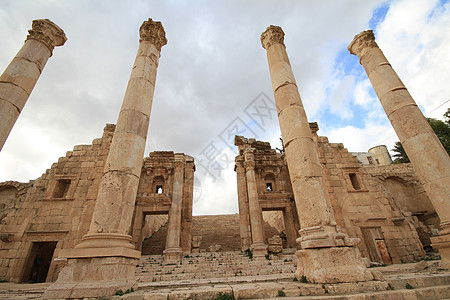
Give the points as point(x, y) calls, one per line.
point(82, 223)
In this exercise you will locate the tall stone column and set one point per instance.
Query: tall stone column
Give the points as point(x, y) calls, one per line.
point(172, 253)
point(20, 77)
point(428, 157)
point(105, 260)
point(258, 247)
point(244, 221)
point(328, 255)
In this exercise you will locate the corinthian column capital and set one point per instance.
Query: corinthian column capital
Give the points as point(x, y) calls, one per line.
point(47, 32)
point(249, 165)
point(154, 33)
point(361, 42)
point(272, 35)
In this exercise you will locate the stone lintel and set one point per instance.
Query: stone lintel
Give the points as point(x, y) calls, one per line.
point(272, 35)
point(99, 252)
point(48, 33)
point(153, 32)
point(365, 39)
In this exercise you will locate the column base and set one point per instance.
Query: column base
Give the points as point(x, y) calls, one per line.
point(442, 244)
point(93, 277)
point(172, 256)
point(333, 265)
point(259, 251)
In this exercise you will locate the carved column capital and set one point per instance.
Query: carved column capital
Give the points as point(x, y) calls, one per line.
point(154, 33)
point(272, 35)
point(365, 39)
point(178, 165)
point(249, 165)
point(47, 32)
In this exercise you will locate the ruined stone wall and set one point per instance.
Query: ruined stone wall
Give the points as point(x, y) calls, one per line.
point(54, 211)
point(386, 216)
point(363, 210)
point(57, 207)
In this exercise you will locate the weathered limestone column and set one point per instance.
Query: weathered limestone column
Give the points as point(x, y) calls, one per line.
point(428, 157)
point(105, 260)
point(328, 256)
point(172, 253)
point(186, 212)
point(258, 247)
point(244, 222)
point(20, 77)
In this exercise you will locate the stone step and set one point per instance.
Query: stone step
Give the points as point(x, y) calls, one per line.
point(432, 285)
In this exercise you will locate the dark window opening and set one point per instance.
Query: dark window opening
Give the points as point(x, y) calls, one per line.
point(378, 162)
point(61, 188)
point(370, 160)
point(269, 186)
point(355, 182)
point(159, 189)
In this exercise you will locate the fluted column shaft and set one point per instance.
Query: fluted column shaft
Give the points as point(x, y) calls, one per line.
point(173, 249)
point(426, 153)
point(244, 221)
point(116, 198)
point(258, 247)
point(21, 75)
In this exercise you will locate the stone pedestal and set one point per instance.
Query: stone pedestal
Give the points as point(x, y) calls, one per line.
point(428, 157)
point(332, 265)
point(107, 247)
point(319, 234)
point(94, 277)
point(20, 77)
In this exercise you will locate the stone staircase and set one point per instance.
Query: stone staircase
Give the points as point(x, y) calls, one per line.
point(214, 265)
point(155, 244)
point(217, 230)
point(423, 280)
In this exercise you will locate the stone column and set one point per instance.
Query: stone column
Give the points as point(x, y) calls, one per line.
point(186, 212)
point(258, 247)
point(291, 235)
point(105, 260)
point(244, 222)
point(20, 77)
point(328, 256)
point(172, 253)
point(428, 157)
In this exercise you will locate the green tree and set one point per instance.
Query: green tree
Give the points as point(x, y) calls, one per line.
point(400, 155)
point(442, 130)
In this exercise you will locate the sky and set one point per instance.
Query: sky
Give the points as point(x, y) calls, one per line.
point(213, 79)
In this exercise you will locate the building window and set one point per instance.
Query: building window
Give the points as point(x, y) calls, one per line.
point(355, 181)
point(370, 160)
point(61, 188)
point(378, 162)
point(269, 186)
point(159, 189)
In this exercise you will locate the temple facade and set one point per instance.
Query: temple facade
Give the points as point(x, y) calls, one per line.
point(52, 213)
point(384, 206)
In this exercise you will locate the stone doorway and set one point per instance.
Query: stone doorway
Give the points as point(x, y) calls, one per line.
point(376, 245)
point(153, 233)
point(38, 262)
